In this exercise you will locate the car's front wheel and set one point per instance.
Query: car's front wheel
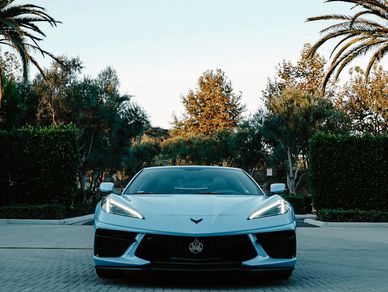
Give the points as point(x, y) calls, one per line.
point(107, 273)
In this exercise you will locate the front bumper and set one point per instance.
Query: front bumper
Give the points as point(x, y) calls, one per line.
point(259, 238)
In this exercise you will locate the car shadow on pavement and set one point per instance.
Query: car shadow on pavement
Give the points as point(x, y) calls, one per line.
point(197, 280)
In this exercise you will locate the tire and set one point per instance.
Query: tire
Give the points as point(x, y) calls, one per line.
point(108, 274)
point(280, 275)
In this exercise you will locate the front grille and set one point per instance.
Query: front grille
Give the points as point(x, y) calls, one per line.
point(112, 243)
point(280, 244)
point(216, 249)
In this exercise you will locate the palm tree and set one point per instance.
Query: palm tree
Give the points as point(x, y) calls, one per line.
point(19, 30)
point(364, 32)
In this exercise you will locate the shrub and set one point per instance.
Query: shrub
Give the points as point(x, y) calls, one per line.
point(349, 172)
point(53, 211)
point(302, 204)
point(39, 165)
point(335, 215)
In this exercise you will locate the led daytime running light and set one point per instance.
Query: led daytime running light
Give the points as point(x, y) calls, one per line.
point(131, 212)
point(260, 212)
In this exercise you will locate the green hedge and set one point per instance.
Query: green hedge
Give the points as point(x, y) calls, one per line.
point(329, 215)
point(349, 172)
point(38, 165)
point(302, 204)
point(45, 211)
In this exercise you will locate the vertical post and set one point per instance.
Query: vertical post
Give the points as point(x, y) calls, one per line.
point(269, 174)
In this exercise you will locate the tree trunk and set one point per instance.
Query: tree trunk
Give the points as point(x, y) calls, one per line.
point(82, 185)
point(1, 87)
point(290, 173)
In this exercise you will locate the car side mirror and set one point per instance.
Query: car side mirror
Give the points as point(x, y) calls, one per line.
point(106, 188)
point(277, 189)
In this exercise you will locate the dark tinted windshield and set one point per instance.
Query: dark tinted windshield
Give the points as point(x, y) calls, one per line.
point(193, 180)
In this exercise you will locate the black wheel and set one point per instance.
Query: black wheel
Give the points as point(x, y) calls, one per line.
point(107, 273)
point(280, 275)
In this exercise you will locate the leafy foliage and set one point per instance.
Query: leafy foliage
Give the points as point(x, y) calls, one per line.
point(212, 107)
point(141, 155)
point(46, 211)
point(42, 166)
point(340, 215)
point(366, 102)
point(363, 32)
point(349, 172)
point(240, 148)
point(107, 120)
point(306, 75)
point(295, 109)
point(19, 29)
point(302, 204)
point(294, 117)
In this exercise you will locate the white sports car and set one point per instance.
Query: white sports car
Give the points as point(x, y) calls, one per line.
point(193, 218)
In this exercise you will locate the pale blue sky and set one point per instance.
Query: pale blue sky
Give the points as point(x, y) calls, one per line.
point(161, 47)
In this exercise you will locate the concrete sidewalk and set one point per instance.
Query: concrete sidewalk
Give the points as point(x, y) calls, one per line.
point(69, 221)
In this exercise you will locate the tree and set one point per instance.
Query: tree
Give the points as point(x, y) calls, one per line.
point(107, 120)
point(18, 102)
point(366, 103)
point(357, 35)
point(306, 74)
point(213, 106)
point(288, 126)
point(58, 103)
point(19, 30)
point(246, 146)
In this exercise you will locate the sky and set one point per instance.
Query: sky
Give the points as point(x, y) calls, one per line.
point(161, 47)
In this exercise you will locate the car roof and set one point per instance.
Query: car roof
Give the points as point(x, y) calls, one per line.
point(192, 166)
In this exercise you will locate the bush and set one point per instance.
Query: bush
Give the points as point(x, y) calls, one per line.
point(334, 215)
point(39, 165)
point(44, 211)
point(349, 172)
point(302, 204)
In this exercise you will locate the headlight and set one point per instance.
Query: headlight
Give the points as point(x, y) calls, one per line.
point(119, 206)
point(278, 207)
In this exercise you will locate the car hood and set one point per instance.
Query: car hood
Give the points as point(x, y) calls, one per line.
point(176, 214)
point(194, 205)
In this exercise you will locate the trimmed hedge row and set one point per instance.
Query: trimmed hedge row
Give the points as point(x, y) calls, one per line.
point(38, 165)
point(302, 204)
point(349, 172)
point(44, 211)
point(329, 215)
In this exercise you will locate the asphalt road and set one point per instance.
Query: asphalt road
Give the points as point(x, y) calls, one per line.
point(59, 258)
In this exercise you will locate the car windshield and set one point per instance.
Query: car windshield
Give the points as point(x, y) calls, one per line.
point(193, 180)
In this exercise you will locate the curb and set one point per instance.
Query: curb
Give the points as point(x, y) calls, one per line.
point(345, 224)
point(305, 216)
point(69, 221)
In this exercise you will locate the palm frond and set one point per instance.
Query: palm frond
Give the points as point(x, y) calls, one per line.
point(350, 36)
point(377, 56)
point(359, 34)
point(372, 5)
point(365, 12)
point(343, 61)
point(328, 17)
point(19, 29)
